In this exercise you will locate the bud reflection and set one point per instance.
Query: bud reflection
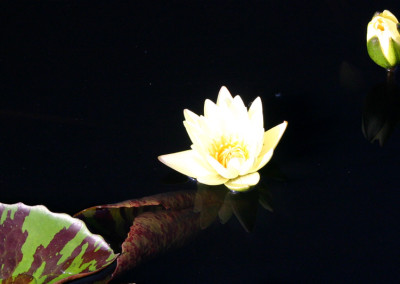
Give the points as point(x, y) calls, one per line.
point(381, 111)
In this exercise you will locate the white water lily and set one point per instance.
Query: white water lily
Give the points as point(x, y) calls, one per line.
point(229, 143)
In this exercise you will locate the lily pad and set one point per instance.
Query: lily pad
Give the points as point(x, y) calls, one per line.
point(143, 228)
point(38, 246)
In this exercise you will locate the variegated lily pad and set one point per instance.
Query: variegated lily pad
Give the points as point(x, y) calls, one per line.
point(38, 246)
point(143, 228)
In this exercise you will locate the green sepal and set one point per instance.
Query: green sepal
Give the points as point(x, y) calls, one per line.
point(394, 52)
point(376, 53)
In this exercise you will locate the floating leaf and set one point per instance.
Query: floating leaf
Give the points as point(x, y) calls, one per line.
point(143, 228)
point(38, 246)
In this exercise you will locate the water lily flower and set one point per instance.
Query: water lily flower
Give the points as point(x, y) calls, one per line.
point(383, 39)
point(229, 143)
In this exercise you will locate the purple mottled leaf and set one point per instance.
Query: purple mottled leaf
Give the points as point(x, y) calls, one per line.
point(44, 247)
point(143, 228)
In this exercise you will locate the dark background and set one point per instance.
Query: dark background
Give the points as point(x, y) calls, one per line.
point(91, 92)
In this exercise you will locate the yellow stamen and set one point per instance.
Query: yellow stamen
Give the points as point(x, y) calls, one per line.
point(379, 25)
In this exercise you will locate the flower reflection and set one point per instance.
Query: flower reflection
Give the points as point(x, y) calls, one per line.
point(381, 111)
point(229, 143)
point(218, 202)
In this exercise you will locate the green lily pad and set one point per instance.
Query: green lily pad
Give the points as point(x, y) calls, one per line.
point(38, 246)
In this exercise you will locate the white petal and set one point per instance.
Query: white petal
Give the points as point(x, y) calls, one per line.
point(212, 179)
point(262, 161)
point(271, 140)
point(239, 109)
point(256, 107)
point(213, 119)
point(384, 41)
point(226, 173)
point(237, 188)
point(246, 166)
point(199, 132)
point(256, 113)
point(388, 15)
point(193, 131)
point(210, 130)
point(243, 183)
point(200, 149)
point(273, 135)
point(210, 109)
point(224, 97)
point(188, 163)
point(254, 141)
point(190, 116)
point(235, 165)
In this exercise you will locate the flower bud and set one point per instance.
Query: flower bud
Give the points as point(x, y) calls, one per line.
point(383, 39)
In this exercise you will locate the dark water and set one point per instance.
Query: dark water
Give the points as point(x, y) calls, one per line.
point(91, 92)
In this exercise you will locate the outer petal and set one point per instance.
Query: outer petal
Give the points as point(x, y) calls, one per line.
point(243, 183)
point(273, 135)
point(271, 139)
point(210, 109)
point(192, 130)
point(262, 161)
point(256, 113)
point(190, 116)
point(238, 109)
point(188, 163)
point(192, 124)
point(224, 97)
point(212, 179)
point(198, 134)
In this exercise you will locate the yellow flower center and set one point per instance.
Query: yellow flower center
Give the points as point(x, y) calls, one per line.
point(379, 25)
point(225, 150)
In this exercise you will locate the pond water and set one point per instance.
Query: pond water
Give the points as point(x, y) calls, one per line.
point(93, 91)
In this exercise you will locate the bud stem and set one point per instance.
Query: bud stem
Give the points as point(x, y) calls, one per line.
point(391, 75)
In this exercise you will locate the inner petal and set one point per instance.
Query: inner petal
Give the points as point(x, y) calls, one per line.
point(226, 150)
